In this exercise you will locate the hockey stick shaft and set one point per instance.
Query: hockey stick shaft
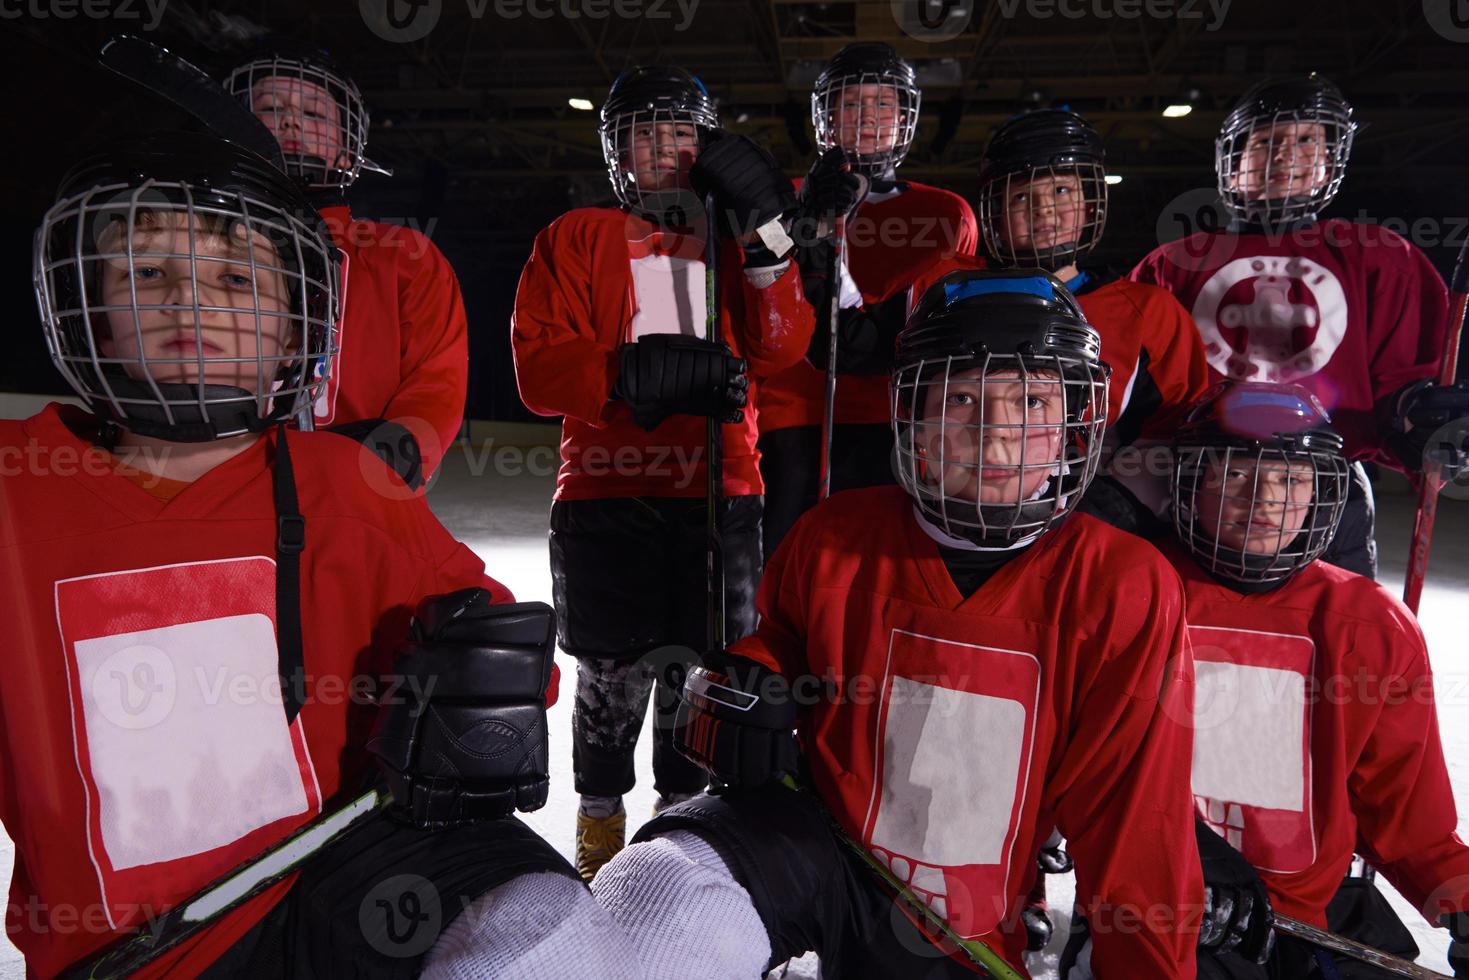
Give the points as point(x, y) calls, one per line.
point(713, 448)
point(1361, 952)
point(833, 318)
point(132, 952)
point(979, 952)
point(1430, 482)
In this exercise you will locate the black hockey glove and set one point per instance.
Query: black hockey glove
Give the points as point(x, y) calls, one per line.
point(749, 187)
point(831, 188)
point(866, 337)
point(463, 737)
point(1237, 912)
point(737, 721)
point(1423, 424)
point(1458, 926)
point(670, 374)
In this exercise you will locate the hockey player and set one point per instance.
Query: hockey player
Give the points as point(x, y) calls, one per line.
point(963, 675)
point(192, 646)
point(864, 108)
point(1316, 732)
point(610, 333)
point(1352, 311)
point(404, 339)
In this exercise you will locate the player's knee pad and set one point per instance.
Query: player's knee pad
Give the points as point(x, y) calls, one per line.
point(680, 905)
point(539, 926)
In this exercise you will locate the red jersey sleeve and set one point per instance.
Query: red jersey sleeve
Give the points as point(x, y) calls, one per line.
point(434, 360)
point(1177, 363)
point(1123, 796)
point(774, 323)
point(1399, 784)
point(561, 367)
point(1406, 315)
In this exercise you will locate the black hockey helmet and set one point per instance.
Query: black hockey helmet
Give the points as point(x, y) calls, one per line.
point(293, 85)
point(1054, 144)
point(192, 236)
point(641, 99)
point(1259, 481)
point(1282, 150)
point(879, 150)
point(970, 333)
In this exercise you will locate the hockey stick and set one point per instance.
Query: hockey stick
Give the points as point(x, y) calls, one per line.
point(980, 954)
point(1430, 482)
point(833, 315)
point(1330, 941)
point(713, 449)
point(132, 952)
point(164, 73)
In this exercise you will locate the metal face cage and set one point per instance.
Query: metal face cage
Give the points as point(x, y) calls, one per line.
point(872, 115)
point(1285, 164)
point(1044, 217)
point(997, 448)
point(184, 310)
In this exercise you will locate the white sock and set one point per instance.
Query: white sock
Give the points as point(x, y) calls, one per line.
point(539, 926)
point(686, 915)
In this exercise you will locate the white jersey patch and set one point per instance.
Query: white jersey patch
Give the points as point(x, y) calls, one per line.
point(670, 293)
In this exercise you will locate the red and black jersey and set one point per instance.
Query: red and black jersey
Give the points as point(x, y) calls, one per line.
point(891, 240)
point(1316, 736)
point(950, 735)
point(1148, 340)
point(404, 339)
point(1351, 311)
point(145, 749)
point(601, 277)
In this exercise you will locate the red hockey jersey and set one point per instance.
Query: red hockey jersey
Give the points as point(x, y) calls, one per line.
point(1158, 366)
point(890, 242)
point(600, 277)
point(955, 733)
point(145, 751)
point(404, 339)
point(1351, 311)
point(1316, 735)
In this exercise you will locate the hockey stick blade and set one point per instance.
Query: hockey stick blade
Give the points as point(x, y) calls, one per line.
point(130, 953)
point(164, 73)
point(1358, 951)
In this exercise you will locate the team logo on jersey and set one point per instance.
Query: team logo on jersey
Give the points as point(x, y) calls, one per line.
point(955, 737)
point(183, 749)
point(1276, 318)
point(1252, 743)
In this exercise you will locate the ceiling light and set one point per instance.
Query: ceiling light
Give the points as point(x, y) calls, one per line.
point(1114, 179)
point(585, 105)
point(1177, 110)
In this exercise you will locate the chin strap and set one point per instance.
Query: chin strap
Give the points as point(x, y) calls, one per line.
point(290, 541)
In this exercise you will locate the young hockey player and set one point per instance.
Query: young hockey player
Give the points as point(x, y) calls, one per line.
point(610, 331)
point(1316, 732)
point(200, 609)
point(1352, 311)
point(404, 341)
point(963, 674)
point(864, 108)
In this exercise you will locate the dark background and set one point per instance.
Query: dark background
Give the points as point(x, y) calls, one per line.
point(473, 115)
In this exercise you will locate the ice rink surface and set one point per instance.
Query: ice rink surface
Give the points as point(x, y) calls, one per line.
point(501, 512)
